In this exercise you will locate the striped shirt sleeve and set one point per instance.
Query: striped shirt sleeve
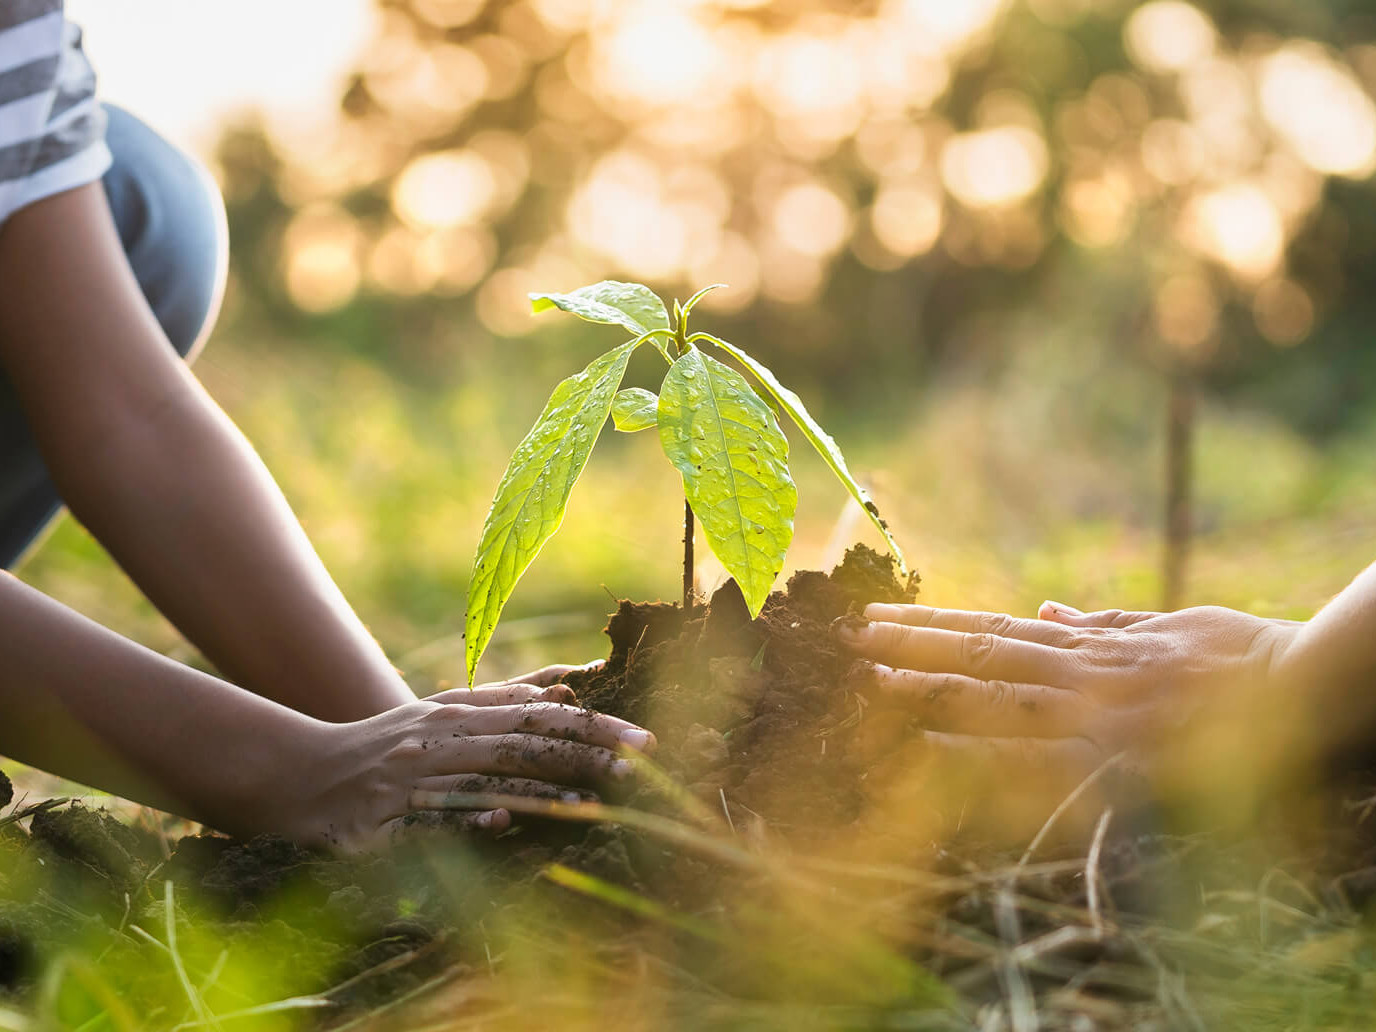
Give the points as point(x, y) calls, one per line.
point(52, 129)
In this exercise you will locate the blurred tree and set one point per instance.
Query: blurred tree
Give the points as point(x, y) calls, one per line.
point(933, 186)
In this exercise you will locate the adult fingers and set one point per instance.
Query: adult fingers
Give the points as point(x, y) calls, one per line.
point(422, 824)
point(1061, 613)
point(1000, 624)
point(446, 792)
point(550, 720)
point(982, 655)
point(504, 694)
point(955, 702)
point(524, 756)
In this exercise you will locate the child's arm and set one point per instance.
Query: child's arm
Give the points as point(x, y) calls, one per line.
point(81, 701)
point(153, 467)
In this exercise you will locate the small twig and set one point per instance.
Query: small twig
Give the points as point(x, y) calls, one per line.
point(1027, 954)
point(203, 1015)
point(1022, 1006)
point(276, 1007)
point(1092, 871)
point(448, 975)
point(1067, 803)
point(390, 964)
point(149, 938)
point(727, 810)
point(1264, 897)
point(29, 811)
point(688, 570)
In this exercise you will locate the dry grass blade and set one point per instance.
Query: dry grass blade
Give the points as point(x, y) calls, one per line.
point(1092, 875)
point(1067, 803)
point(29, 811)
point(202, 1012)
point(625, 899)
point(1022, 1005)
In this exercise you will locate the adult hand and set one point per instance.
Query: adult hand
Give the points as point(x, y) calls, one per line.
point(419, 763)
point(1042, 703)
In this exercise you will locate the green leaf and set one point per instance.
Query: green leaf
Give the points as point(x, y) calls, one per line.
point(819, 438)
point(634, 409)
point(636, 307)
point(692, 301)
point(530, 500)
point(734, 459)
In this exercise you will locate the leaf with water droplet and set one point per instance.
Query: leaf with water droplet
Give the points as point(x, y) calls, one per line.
point(534, 492)
point(634, 409)
point(816, 436)
point(744, 498)
point(636, 307)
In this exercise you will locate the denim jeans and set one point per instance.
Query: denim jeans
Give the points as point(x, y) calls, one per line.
point(171, 221)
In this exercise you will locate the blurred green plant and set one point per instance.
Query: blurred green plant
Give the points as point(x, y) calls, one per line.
point(715, 429)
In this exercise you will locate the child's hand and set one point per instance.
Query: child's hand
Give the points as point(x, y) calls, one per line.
point(426, 757)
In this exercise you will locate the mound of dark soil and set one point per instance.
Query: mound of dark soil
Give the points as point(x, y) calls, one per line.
point(754, 713)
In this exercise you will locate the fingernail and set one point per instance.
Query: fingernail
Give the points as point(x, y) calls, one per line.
point(1061, 607)
point(636, 738)
point(571, 797)
point(557, 691)
point(484, 820)
point(622, 768)
point(850, 627)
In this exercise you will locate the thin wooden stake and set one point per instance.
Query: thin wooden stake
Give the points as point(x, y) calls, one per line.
point(687, 557)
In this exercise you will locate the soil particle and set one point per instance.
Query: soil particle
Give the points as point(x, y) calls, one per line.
point(6, 791)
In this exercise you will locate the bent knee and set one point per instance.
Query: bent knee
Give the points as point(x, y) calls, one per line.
point(171, 221)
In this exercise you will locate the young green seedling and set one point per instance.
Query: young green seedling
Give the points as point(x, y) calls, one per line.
point(716, 430)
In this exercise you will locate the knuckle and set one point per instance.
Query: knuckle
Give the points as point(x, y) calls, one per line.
point(405, 752)
point(994, 623)
point(449, 712)
point(976, 649)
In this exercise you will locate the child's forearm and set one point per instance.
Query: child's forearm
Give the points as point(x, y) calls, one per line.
point(185, 506)
point(158, 473)
point(84, 703)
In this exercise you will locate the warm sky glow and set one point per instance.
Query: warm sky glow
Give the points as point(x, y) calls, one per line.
point(1320, 109)
point(184, 66)
point(993, 167)
point(1237, 155)
point(1168, 35)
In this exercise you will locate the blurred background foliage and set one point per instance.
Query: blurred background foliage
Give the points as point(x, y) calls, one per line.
point(994, 245)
